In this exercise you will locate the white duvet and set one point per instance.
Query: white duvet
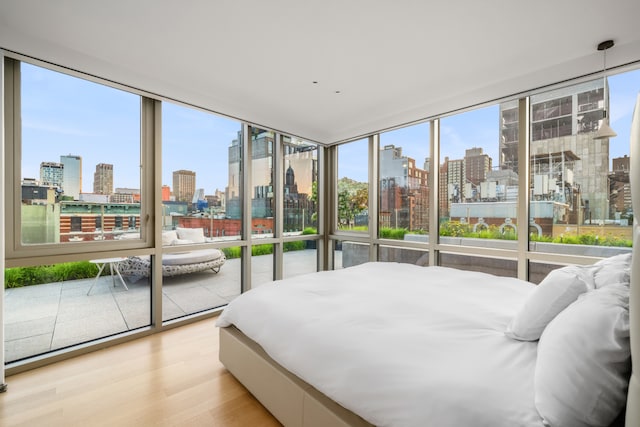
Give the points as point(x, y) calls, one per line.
point(398, 344)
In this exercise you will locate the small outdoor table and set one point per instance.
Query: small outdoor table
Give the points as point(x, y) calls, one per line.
point(113, 267)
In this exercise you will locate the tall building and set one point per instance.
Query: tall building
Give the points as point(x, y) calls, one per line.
point(103, 179)
point(303, 160)
point(564, 121)
point(456, 178)
point(51, 174)
point(301, 157)
point(477, 165)
point(262, 173)
point(184, 185)
point(620, 187)
point(72, 176)
point(404, 193)
point(232, 191)
point(444, 203)
point(621, 164)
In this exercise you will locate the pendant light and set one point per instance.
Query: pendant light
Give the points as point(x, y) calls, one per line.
point(605, 130)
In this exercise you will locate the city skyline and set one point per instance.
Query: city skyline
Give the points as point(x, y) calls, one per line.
point(52, 129)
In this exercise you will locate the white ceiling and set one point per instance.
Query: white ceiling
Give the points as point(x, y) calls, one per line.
point(392, 61)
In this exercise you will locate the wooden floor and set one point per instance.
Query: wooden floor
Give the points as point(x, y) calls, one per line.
point(169, 379)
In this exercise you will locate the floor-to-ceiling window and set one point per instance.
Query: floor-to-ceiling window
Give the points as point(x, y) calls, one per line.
point(84, 208)
point(352, 202)
point(580, 200)
point(300, 205)
point(201, 206)
point(577, 200)
point(404, 191)
point(478, 185)
point(74, 173)
point(82, 253)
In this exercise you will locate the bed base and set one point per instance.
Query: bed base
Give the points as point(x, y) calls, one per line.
point(292, 401)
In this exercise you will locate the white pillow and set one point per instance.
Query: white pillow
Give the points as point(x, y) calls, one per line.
point(615, 269)
point(168, 237)
point(560, 288)
point(196, 235)
point(584, 361)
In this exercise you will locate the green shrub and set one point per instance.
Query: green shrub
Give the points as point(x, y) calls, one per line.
point(22, 276)
point(265, 249)
point(261, 250)
point(587, 239)
point(309, 230)
point(393, 233)
point(76, 270)
point(27, 276)
point(455, 229)
point(533, 236)
point(231, 253)
point(616, 241)
point(294, 246)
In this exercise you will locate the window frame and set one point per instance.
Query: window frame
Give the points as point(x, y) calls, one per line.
point(18, 253)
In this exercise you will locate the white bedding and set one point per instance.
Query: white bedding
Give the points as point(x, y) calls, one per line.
point(398, 344)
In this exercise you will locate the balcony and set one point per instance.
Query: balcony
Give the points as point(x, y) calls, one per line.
point(43, 318)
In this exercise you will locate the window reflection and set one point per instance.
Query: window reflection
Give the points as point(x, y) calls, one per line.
point(300, 187)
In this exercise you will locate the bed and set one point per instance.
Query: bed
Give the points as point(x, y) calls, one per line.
point(392, 344)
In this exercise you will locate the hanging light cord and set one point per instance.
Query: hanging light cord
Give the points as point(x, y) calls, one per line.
point(604, 77)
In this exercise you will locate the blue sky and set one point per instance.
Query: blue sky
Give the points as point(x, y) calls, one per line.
point(65, 115)
point(197, 141)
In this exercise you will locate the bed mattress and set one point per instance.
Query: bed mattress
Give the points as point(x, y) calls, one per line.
point(398, 344)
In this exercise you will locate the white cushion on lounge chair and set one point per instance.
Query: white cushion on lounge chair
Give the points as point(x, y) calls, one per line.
point(193, 257)
point(194, 234)
point(168, 237)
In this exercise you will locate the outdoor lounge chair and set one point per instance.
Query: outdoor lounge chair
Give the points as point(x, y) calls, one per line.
point(175, 264)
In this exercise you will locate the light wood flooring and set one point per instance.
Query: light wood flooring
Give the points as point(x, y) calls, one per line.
point(172, 378)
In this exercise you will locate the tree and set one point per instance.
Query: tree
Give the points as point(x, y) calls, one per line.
point(353, 198)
